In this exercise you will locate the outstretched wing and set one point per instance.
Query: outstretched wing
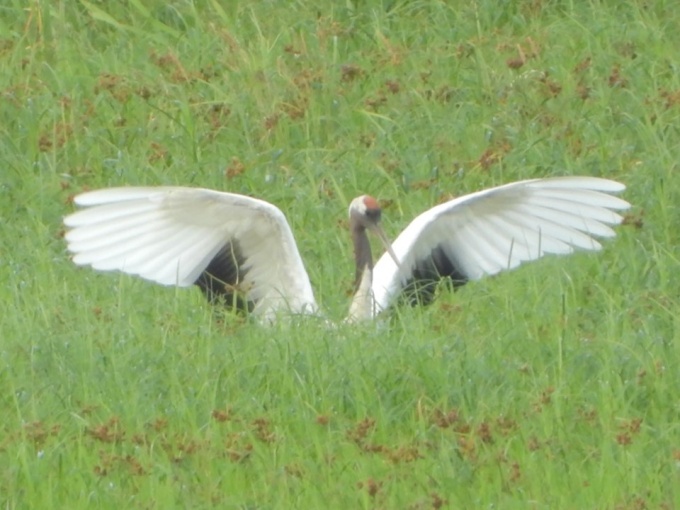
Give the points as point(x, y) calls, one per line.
point(494, 230)
point(229, 245)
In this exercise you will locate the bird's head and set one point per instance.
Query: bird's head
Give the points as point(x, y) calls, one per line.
point(365, 214)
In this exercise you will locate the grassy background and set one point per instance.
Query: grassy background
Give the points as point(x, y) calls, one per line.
point(554, 386)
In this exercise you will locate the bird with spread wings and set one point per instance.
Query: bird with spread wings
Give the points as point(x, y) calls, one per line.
point(241, 250)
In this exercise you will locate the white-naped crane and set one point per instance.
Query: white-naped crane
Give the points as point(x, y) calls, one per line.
point(241, 250)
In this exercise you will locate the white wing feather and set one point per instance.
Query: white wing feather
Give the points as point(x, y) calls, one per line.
point(497, 229)
point(169, 235)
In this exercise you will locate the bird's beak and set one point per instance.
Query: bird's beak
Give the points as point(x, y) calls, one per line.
point(380, 234)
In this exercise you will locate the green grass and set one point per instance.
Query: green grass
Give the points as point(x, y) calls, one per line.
point(553, 386)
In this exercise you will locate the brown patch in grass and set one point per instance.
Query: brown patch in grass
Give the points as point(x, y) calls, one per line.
point(108, 432)
point(583, 92)
point(262, 430)
point(175, 71)
point(493, 155)
point(444, 419)
point(670, 98)
point(404, 454)
point(109, 462)
point(467, 447)
point(515, 472)
point(271, 121)
point(235, 169)
point(551, 87)
point(56, 138)
point(628, 429)
point(438, 501)
point(616, 79)
point(484, 432)
point(294, 470)
point(376, 101)
point(38, 432)
point(523, 54)
point(217, 115)
point(159, 153)
point(360, 431)
point(371, 486)
point(392, 86)
point(237, 449)
point(583, 65)
point(221, 415)
point(296, 108)
point(350, 73)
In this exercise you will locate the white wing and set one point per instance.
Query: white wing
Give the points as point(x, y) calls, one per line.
point(497, 229)
point(228, 244)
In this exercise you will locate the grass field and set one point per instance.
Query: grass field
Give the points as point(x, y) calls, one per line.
point(553, 386)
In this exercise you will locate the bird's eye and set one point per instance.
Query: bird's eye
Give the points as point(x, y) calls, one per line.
point(373, 214)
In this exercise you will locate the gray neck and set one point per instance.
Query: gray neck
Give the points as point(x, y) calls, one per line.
point(362, 253)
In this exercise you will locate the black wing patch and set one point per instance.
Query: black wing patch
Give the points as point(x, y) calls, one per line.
point(420, 289)
point(222, 280)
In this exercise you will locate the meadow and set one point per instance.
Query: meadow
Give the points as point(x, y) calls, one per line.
point(556, 385)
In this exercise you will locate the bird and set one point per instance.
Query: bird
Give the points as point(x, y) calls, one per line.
point(241, 252)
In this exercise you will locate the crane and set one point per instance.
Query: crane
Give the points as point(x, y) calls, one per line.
point(241, 251)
